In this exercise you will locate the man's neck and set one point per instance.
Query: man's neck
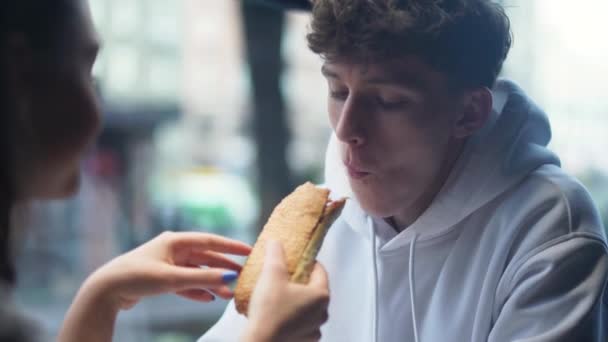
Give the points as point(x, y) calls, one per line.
point(409, 215)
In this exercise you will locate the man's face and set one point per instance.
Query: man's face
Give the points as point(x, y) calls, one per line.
point(395, 124)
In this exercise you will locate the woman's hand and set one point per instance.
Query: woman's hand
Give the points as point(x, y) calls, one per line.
point(170, 263)
point(283, 311)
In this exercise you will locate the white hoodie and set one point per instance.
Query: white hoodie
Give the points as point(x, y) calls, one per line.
point(511, 249)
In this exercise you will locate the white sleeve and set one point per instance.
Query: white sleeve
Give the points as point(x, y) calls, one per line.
point(229, 328)
point(555, 295)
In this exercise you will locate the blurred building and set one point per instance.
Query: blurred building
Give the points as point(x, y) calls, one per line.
point(141, 56)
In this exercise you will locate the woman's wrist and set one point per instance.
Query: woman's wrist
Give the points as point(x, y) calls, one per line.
point(92, 310)
point(97, 290)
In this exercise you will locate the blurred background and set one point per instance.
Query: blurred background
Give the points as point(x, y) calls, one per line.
point(214, 110)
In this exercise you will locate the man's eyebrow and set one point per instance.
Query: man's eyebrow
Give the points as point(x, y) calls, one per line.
point(399, 79)
point(402, 79)
point(328, 73)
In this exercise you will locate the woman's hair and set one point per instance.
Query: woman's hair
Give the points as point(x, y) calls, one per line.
point(467, 40)
point(42, 24)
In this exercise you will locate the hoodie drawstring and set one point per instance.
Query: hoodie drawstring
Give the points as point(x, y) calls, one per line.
point(411, 274)
point(370, 223)
point(412, 289)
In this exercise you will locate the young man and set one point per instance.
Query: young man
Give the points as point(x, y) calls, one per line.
point(461, 224)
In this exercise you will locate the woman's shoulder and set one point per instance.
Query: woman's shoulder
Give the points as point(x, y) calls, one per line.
point(14, 325)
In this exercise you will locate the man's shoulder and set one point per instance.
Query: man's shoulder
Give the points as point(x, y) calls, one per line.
point(550, 205)
point(549, 214)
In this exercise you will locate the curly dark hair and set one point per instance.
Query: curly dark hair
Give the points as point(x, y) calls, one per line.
point(467, 40)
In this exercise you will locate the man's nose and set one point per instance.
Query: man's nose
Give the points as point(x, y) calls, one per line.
point(351, 124)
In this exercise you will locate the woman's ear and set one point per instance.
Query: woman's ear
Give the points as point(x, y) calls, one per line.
point(476, 109)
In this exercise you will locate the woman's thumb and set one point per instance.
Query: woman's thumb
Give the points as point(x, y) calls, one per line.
point(274, 260)
point(319, 277)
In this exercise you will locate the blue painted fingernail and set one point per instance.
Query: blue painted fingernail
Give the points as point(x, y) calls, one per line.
point(229, 276)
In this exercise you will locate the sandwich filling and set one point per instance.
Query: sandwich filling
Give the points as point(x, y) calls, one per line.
point(307, 259)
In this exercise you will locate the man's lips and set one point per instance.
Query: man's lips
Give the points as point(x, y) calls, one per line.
point(356, 172)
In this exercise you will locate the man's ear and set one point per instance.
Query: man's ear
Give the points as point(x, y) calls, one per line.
point(476, 109)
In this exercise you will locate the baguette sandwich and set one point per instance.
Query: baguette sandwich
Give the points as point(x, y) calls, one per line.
point(300, 223)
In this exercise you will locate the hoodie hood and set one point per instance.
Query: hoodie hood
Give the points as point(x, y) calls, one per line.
point(511, 145)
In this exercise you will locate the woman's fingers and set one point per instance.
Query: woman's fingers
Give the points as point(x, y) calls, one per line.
point(223, 292)
point(203, 241)
point(313, 336)
point(184, 278)
point(197, 295)
point(210, 259)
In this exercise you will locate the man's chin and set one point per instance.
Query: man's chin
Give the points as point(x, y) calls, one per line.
point(372, 205)
point(376, 211)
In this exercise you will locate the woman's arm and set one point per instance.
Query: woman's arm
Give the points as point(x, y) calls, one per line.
point(167, 264)
point(279, 310)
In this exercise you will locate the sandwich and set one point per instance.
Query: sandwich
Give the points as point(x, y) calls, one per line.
point(300, 222)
